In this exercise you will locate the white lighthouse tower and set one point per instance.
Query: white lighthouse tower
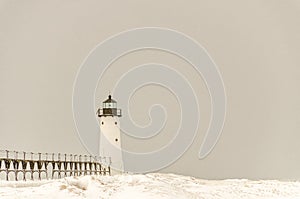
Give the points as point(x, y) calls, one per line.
point(110, 136)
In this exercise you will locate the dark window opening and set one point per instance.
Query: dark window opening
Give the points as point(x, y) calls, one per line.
point(116, 139)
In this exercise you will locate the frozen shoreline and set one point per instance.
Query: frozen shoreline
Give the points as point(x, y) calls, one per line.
point(149, 186)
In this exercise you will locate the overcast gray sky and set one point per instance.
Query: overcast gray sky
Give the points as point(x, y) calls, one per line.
point(255, 44)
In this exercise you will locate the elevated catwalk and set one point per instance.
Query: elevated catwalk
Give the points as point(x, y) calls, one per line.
point(16, 165)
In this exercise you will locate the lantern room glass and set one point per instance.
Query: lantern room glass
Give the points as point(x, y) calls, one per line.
point(110, 105)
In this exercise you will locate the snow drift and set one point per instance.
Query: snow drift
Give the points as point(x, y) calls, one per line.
point(148, 186)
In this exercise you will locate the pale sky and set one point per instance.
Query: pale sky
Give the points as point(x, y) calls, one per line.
point(255, 44)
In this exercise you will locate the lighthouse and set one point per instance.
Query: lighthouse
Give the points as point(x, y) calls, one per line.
point(110, 134)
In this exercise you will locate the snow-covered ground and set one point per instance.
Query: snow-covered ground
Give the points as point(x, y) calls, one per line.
point(148, 186)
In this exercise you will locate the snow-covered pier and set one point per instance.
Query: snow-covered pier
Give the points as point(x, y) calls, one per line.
point(16, 165)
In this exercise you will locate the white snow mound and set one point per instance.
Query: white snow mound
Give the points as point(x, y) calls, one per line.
point(147, 186)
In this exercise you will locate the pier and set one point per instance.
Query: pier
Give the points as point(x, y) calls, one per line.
point(17, 165)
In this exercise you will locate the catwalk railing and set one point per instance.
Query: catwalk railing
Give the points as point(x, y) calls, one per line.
point(16, 165)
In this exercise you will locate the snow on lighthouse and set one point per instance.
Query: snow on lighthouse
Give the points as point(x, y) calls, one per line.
point(110, 136)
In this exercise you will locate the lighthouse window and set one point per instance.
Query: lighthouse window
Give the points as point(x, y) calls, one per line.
point(102, 123)
point(110, 105)
point(116, 139)
point(116, 123)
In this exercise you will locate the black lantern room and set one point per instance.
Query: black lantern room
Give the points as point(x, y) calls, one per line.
point(109, 108)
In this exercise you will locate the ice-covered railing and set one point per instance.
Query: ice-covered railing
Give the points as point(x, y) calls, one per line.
point(20, 165)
